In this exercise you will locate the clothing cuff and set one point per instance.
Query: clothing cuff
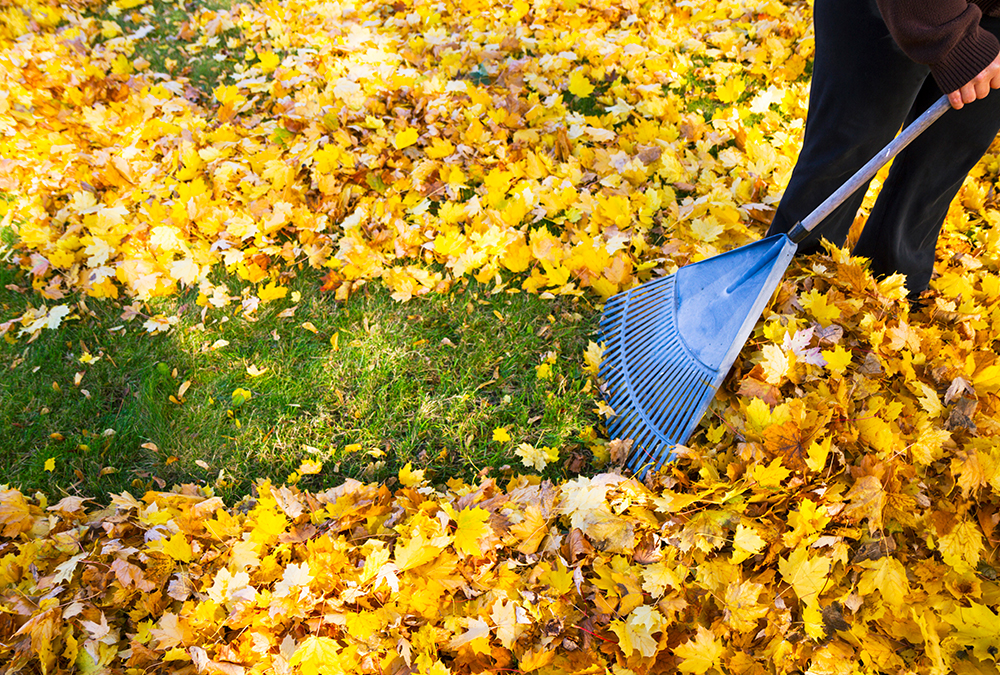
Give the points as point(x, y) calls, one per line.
point(966, 59)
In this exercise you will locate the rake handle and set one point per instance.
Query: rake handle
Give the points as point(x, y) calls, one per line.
point(868, 171)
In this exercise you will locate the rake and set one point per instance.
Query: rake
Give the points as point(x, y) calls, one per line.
point(670, 342)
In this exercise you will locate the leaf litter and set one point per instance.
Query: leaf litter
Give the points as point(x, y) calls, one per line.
point(836, 512)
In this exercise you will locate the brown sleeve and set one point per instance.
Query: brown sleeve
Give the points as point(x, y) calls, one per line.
point(944, 34)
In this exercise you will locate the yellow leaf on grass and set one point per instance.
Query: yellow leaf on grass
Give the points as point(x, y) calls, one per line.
point(309, 467)
point(410, 477)
point(538, 458)
point(579, 84)
point(500, 435)
point(50, 464)
point(593, 356)
point(271, 292)
point(730, 90)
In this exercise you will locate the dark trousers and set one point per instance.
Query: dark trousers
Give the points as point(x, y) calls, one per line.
point(864, 88)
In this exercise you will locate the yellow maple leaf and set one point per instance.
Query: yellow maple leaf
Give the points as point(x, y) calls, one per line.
point(538, 458)
point(807, 575)
point(579, 84)
point(775, 364)
point(531, 530)
point(471, 525)
point(636, 632)
point(700, 653)
point(660, 576)
point(837, 360)
point(707, 229)
point(418, 550)
point(730, 90)
point(593, 356)
point(817, 304)
point(505, 619)
point(272, 292)
point(410, 477)
point(740, 607)
point(317, 655)
point(866, 499)
point(758, 415)
point(500, 435)
point(309, 467)
point(533, 660)
point(475, 636)
point(977, 626)
point(405, 138)
point(177, 547)
point(746, 543)
point(962, 547)
point(771, 476)
point(887, 576)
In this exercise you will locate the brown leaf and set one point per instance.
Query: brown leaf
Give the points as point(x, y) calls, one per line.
point(833, 618)
point(577, 547)
point(647, 551)
point(873, 548)
point(960, 415)
point(786, 441)
point(752, 387)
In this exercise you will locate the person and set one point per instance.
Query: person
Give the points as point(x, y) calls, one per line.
point(878, 65)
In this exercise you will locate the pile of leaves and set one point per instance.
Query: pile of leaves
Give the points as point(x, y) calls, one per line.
point(850, 527)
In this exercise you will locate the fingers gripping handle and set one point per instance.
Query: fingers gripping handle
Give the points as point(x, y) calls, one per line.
point(865, 173)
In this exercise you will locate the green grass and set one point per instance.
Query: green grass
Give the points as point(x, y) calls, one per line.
point(425, 382)
point(175, 46)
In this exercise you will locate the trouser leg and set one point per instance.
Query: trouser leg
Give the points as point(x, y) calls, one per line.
point(902, 230)
point(862, 88)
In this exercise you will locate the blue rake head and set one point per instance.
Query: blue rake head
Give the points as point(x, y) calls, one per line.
point(669, 344)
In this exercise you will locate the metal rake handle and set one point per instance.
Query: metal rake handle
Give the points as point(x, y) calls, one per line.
point(868, 171)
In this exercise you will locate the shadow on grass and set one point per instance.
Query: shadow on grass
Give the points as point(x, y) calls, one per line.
point(363, 387)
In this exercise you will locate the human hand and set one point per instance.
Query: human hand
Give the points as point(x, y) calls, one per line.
point(978, 87)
